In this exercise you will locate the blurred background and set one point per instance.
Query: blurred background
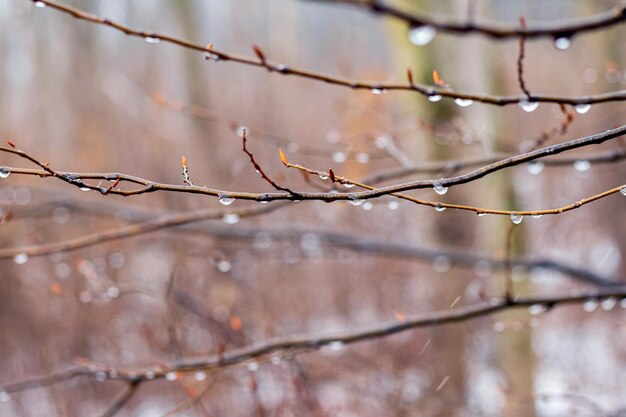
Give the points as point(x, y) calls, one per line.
point(87, 98)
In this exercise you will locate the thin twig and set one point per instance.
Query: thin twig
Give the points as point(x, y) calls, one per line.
point(258, 168)
point(520, 60)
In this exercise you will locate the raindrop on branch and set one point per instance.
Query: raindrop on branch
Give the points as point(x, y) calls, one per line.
point(152, 39)
point(40, 4)
point(378, 91)
point(356, 201)
point(623, 191)
point(537, 309)
point(439, 207)
point(461, 102)
point(582, 108)
point(528, 106)
point(440, 188)
point(422, 35)
point(536, 216)
point(4, 172)
point(323, 175)
point(562, 43)
point(516, 218)
point(20, 258)
point(225, 200)
point(433, 98)
point(590, 305)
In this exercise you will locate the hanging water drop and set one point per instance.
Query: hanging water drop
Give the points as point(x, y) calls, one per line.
point(323, 176)
point(590, 305)
point(378, 91)
point(4, 397)
point(481, 214)
point(40, 4)
point(422, 35)
point(224, 266)
point(439, 207)
point(152, 39)
point(253, 366)
point(20, 258)
point(200, 376)
point(608, 304)
point(336, 346)
point(85, 189)
point(225, 200)
point(4, 172)
point(433, 98)
point(516, 218)
point(582, 165)
point(529, 106)
point(348, 185)
point(171, 376)
point(461, 102)
point(535, 167)
point(623, 191)
point(536, 309)
point(562, 43)
point(439, 188)
point(536, 216)
point(356, 201)
point(582, 108)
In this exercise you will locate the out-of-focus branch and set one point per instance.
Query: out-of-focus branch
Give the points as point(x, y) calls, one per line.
point(217, 55)
point(615, 16)
point(314, 342)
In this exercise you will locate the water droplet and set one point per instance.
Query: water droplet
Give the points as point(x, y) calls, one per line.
point(200, 376)
point(461, 102)
point(378, 91)
point(40, 4)
point(339, 157)
point(608, 304)
point(211, 56)
point(516, 218)
point(20, 258)
point(323, 175)
point(356, 201)
point(582, 165)
point(439, 207)
point(562, 43)
point(529, 106)
point(440, 188)
point(171, 376)
point(85, 189)
point(393, 205)
point(367, 206)
point(590, 305)
point(4, 396)
point(582, 108)
point(336, 346)
point(225, 200)
point(535, 167)
point(101, 376)
point(4, 172)
point(150, 375)
point(113, 292)
point(481, 214)
point(113, 374)
point(623, 191)
point(382, 141)
point(253, 366)
point(433, 98)
point(152, 39)
point(536, 216)
point(422, 35)
point(230, 218)
point(223, 266)
point(441, 264)
point(536, 309)
point(362, 157)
